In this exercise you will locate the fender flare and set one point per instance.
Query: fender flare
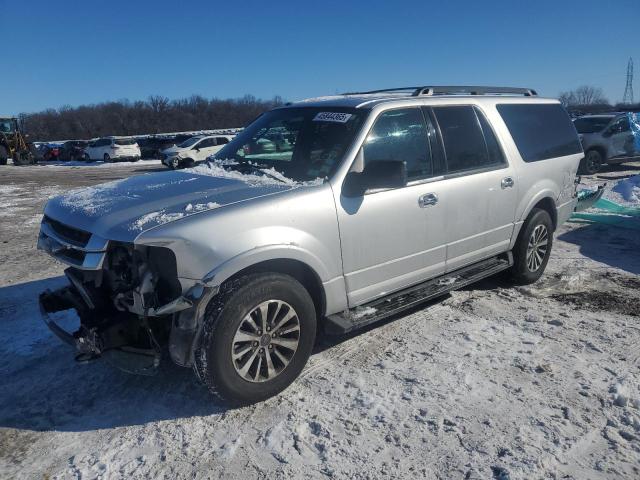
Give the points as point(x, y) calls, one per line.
point(246, 259)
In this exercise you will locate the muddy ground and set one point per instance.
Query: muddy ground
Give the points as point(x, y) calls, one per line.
point(490, 382)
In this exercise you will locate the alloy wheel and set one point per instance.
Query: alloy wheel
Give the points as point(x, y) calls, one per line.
point(537, 247)
point(266, 341)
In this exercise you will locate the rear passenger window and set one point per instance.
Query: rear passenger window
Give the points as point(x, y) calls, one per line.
point(400, 135)
point(463, 133)
point(222, 140)
point(540, 131)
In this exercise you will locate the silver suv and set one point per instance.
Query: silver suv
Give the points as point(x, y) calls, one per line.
point(606, 138)
point(324, 215)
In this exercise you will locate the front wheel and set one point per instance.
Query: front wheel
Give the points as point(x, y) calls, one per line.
point(257, 337)
point(533, 248)
point(591, 163)
point(107, 158)
point(174, 163)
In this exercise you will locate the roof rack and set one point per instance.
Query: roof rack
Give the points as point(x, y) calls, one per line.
point(454, 90)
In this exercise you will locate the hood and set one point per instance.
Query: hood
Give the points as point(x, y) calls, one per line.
point(173, 150)
point(123, 209)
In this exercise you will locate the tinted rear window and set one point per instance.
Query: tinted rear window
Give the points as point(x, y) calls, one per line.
point(540, 131)
point(124, 141)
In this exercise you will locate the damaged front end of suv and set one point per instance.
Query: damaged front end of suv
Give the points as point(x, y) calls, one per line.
point(123, 294)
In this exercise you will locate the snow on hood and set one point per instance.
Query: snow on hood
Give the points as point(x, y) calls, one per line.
point(122, 209)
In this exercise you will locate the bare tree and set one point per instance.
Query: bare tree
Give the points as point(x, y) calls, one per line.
point(584, 95)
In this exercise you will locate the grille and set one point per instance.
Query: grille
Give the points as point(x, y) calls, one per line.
point(70, 234)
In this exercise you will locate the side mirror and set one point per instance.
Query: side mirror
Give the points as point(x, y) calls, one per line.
point(380, 174)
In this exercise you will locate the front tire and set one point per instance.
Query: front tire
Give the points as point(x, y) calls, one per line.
point(258, 334)
point(533, 248)
point(107, 158)
point(591, 163)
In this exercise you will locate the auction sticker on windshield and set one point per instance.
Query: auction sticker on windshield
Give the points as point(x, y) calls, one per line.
point(332, 117)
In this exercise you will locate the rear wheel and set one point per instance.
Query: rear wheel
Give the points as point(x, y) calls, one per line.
point(107, 158)
point(3, 155)
point(533, 248)
point(591, 163)
point(86, 157)
point(257, 337)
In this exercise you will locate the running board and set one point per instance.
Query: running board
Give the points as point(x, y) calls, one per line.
point(355, 318)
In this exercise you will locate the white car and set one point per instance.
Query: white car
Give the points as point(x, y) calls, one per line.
point(112, 149)
point(194, 150)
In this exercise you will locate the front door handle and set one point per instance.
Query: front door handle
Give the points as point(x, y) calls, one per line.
point(507, 182)
point(427, 200)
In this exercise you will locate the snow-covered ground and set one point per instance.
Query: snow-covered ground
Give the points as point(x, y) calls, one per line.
point(490, 382)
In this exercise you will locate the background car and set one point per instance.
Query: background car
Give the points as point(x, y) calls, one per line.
point(72, 150)
point(113, 149)
point(193, 150)
point(50, 152)
point(606, 138)
point(152, 146)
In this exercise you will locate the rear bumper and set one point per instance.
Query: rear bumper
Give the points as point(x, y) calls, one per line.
point(126, 158)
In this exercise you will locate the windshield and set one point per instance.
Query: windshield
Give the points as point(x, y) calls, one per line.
point(301, 143)
point(189, 142)
point(6, 126)
point(591, 124)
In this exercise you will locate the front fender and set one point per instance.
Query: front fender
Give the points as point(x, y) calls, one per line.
point(226, 270)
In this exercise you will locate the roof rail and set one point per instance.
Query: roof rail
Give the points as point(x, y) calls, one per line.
point(454, 90)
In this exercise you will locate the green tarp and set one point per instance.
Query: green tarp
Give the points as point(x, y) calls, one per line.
point(610, 213)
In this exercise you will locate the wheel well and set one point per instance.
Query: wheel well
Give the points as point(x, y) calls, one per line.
point(302, 272)
point(599, 149)
point(549, 205)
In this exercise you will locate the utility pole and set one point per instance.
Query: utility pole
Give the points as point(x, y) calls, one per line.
point(627, 98)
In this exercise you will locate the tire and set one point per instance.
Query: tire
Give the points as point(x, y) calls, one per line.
point(226, 330)
point(188, 162)
point(173, 163)
point(4, 155)
point(591, 163)
point(86, 157)
point(528, 267)
point(107, 158)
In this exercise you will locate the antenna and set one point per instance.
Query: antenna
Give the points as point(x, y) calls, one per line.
point(627, 98)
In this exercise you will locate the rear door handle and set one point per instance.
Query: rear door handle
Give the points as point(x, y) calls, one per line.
point(427, 200)
point(507, 182)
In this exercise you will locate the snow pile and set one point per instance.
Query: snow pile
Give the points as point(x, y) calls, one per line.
point(200, 207)
point(626, 393)
point(629, 189)
point(154, 219)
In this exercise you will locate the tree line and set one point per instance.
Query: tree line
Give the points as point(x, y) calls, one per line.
point(157, 114)
point(588, 99)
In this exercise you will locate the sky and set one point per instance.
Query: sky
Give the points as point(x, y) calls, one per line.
point(69, 52)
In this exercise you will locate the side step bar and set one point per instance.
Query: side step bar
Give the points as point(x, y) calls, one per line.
point(379, 309)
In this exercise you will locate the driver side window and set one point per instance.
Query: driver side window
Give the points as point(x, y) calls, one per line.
point(400, 135)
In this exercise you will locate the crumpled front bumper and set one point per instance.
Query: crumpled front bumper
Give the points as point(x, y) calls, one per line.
point(104, 339)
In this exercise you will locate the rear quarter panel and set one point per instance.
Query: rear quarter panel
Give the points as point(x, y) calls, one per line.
point(552, 178)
